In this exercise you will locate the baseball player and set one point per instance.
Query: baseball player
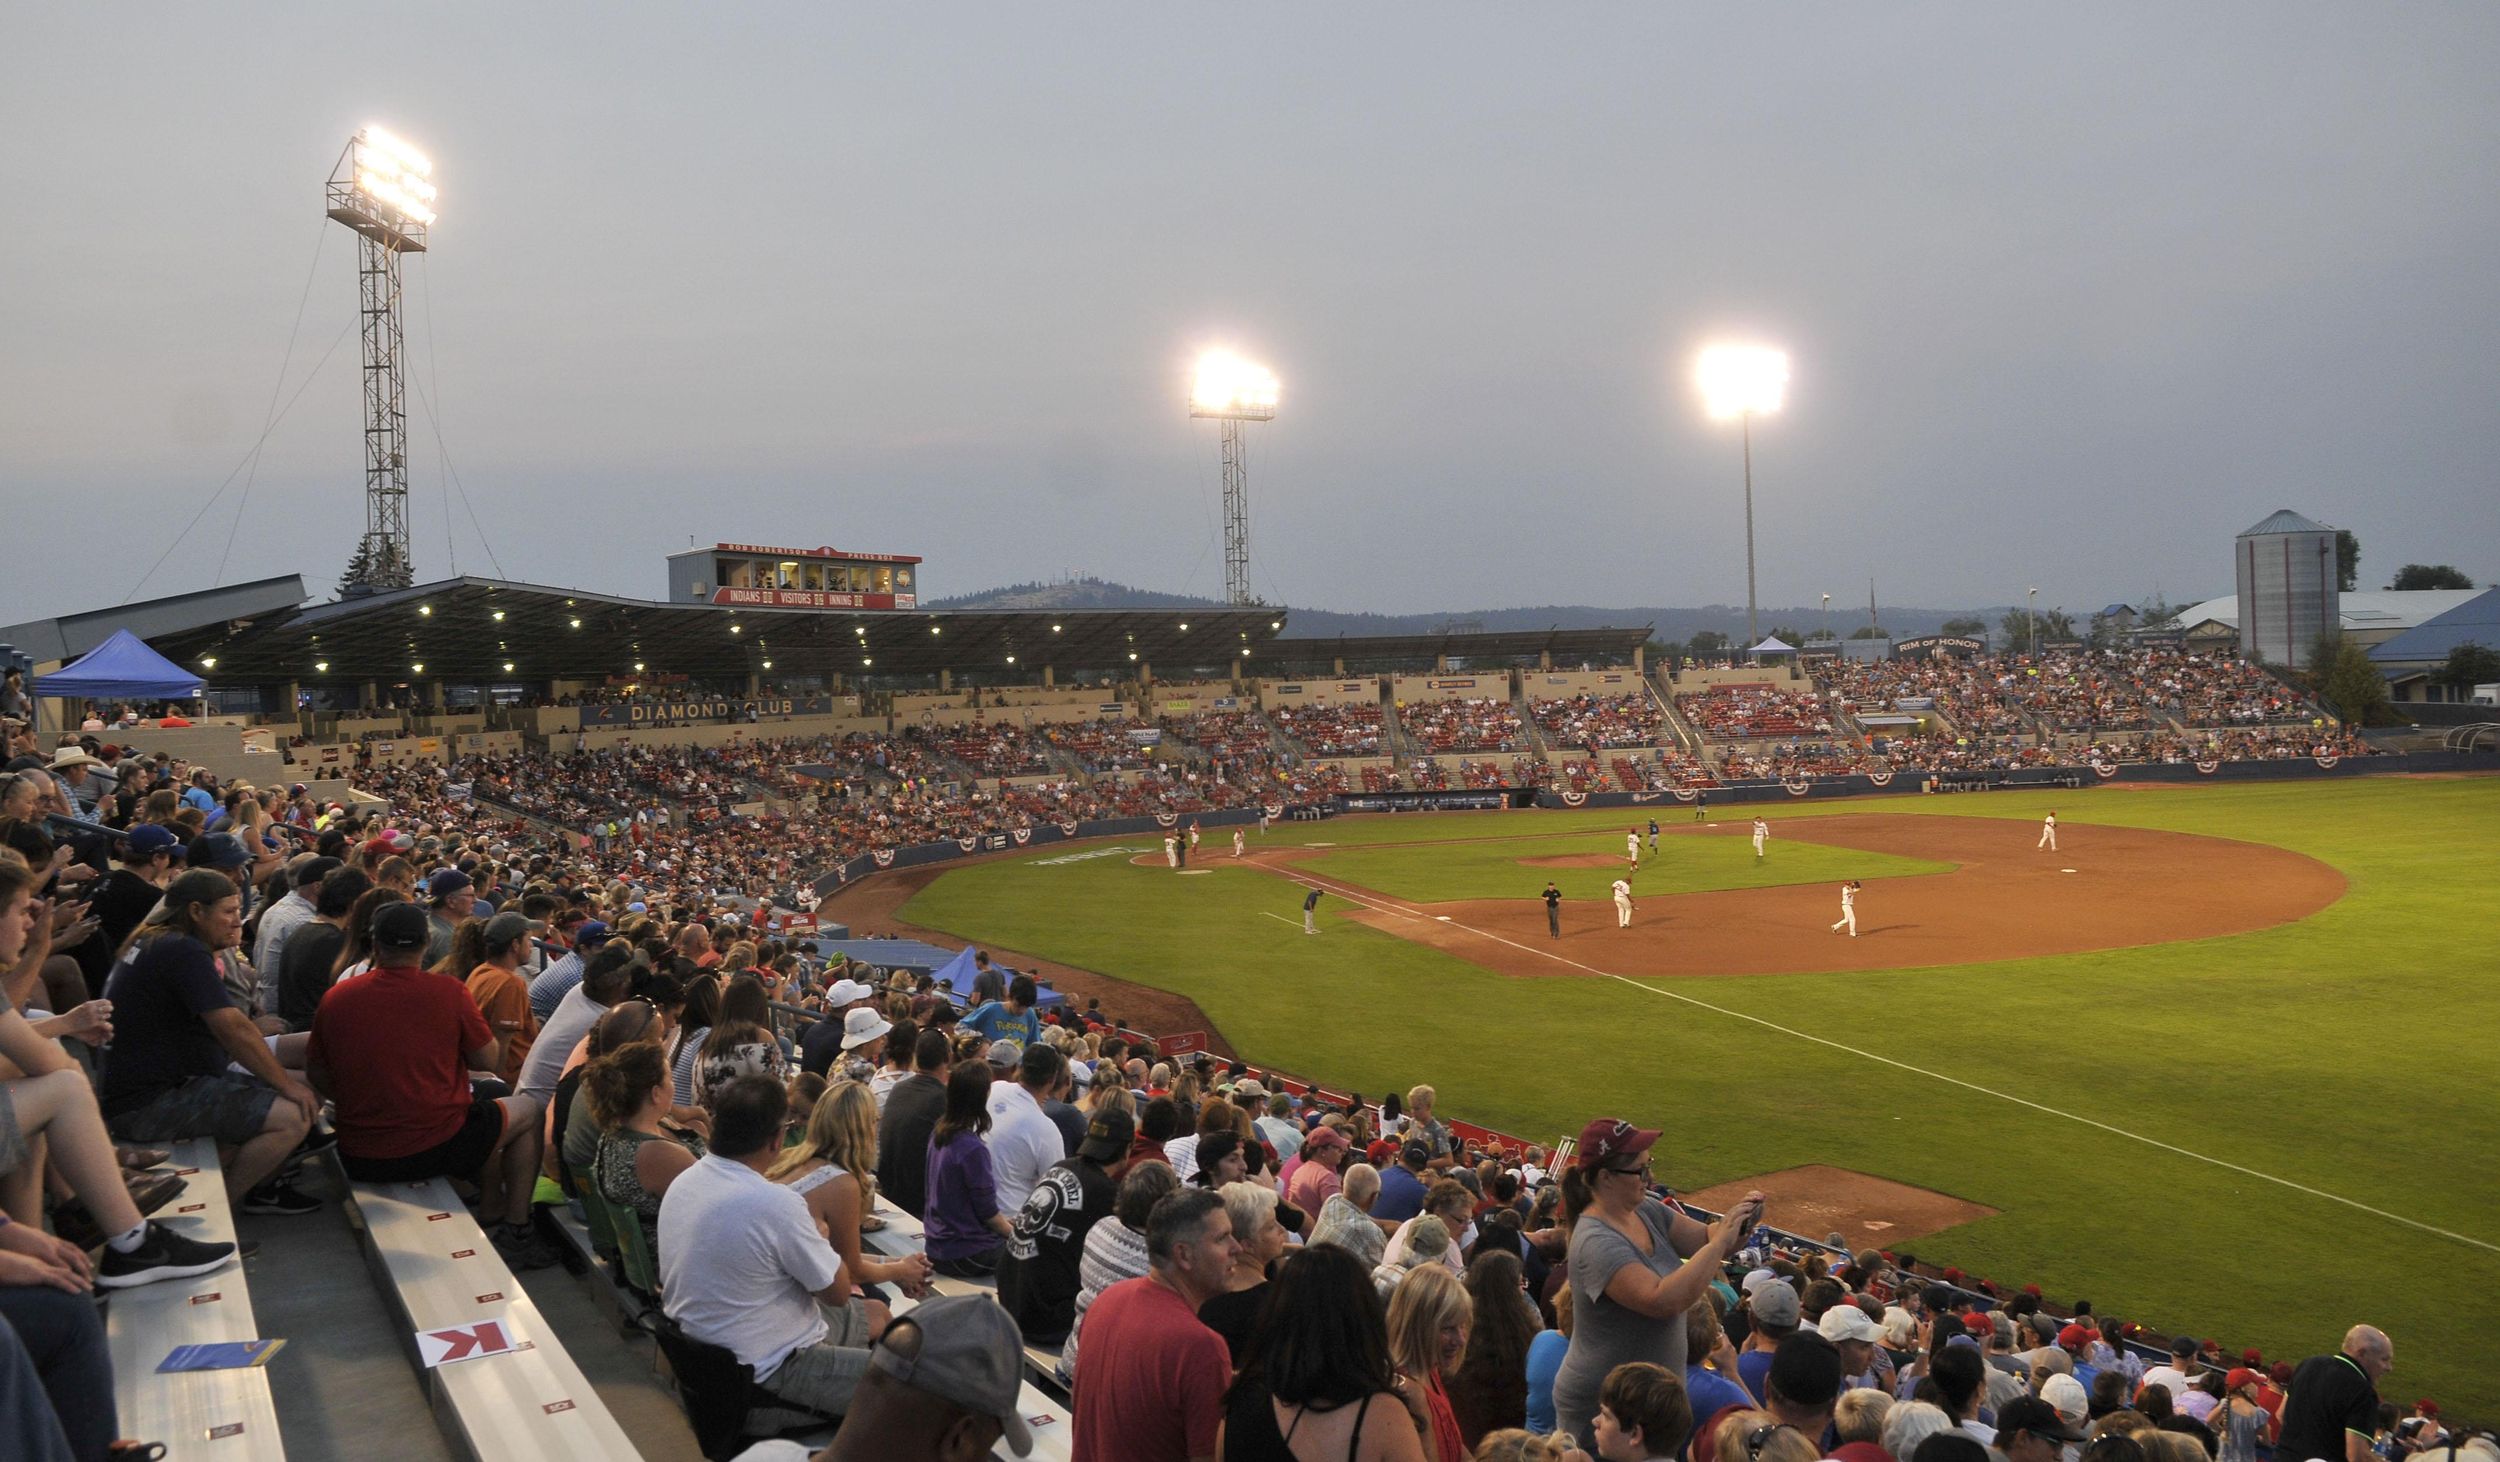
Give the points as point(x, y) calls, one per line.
point(1761, 835)
point(1171, 851)
point(1653, 835)
point(1236, 842)
point(1553, 909)
point(1701, 804)
point(2048, 834)
point(1183, 849)
point(1262, 819)
point(1632, 848)
point(1310, 902)
point(1193, 834)
point(1623, 903)
point(1848, 908)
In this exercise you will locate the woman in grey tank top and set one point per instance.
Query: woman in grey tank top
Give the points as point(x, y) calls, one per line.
point(1631, 1281)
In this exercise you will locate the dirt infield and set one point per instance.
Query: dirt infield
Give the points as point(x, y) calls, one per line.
point(870, 906)
point(1870, 1212)
point(2003, 899)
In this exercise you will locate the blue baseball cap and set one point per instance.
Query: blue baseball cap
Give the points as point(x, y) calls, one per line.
point(589, 934)
point(149, 839)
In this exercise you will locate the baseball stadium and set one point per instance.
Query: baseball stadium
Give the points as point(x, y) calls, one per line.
point(752, 1005)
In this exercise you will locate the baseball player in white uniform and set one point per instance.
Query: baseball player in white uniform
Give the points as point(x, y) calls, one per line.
point(1761, 835)
point(1171, 851)
point(1623, 904)
point(1632, 848)
point(1236, 842)
point(2048, 833)
point(1848, 909)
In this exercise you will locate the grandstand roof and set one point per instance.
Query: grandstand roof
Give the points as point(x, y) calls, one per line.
point(68, 636)
point(468, 629)
point(2474, 622)
point(2284, 520)
point(2383, 610)
point(1565, 645)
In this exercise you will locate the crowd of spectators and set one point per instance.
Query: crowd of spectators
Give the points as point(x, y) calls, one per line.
point(1339, 730)
point(1217, 1260)
point(1596, 723)
point(1750, 712)
point(2087, 691)
point(1463, 724)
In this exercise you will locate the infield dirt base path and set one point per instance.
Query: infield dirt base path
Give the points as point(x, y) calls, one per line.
point(1867, 1211)
point(2003, 899)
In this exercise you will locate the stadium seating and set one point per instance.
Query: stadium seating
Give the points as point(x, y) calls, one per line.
point(143, 1325)
point(443, 1274)
point(1597, 723)
point(1343, 730)
point(1463, 725)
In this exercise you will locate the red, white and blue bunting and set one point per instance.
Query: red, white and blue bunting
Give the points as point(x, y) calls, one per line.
point(1022, 835)
point(1797, 788)
point(884, 857)
point(2207, 768)
point(1574, 799)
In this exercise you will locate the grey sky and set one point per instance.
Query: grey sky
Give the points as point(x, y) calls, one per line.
point(2074, 293)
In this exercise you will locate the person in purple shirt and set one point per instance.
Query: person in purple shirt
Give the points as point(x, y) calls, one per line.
point(963, 1230)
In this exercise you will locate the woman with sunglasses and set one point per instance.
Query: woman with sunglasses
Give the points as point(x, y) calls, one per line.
point(1630, 1279)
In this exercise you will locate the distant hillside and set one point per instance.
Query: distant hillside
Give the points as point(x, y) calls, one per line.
point(1071, 594)
point(1670, 623)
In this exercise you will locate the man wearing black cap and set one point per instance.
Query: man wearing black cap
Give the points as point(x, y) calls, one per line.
point(1037, 1276)
point(145, 860)
point(2030, 1430)
point(1402, 1187)
point(449, 895)
point(394, 1048)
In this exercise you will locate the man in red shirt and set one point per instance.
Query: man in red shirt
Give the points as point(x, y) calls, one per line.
point(393, 1048)
point(1153, 1384)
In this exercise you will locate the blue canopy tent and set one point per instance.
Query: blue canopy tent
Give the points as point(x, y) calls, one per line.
point(122, 668)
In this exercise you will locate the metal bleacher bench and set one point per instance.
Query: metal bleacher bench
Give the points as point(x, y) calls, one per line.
point(203, 1414)
point(441, 1272)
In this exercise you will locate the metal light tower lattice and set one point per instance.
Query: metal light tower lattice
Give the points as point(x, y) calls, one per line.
point(380, 189)
point(1230, 391)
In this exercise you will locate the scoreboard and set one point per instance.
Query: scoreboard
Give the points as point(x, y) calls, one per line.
point(760, 576)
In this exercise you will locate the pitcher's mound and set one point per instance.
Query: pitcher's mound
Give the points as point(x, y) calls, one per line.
point(1871, 1212)
point(1574, 860)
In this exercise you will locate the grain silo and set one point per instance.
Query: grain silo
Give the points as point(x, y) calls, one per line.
point(2287, 584)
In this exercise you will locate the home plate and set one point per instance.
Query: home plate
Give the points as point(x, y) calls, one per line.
point(2070, 870)
point(1444, 918)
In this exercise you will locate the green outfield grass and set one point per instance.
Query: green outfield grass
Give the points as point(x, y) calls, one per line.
point(1494, 869)
point(2350, 1053)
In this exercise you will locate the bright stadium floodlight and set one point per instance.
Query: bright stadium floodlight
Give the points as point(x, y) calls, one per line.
point(1744, 381)
point(1230, 391)
point(383, 189)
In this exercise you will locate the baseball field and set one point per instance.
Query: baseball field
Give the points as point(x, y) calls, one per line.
point(2222, 1062)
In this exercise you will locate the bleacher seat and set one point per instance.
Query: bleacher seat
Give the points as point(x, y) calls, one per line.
point(441, 1272)
point(226, 1415)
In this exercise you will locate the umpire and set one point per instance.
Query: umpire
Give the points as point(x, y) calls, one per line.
point(1553, 909)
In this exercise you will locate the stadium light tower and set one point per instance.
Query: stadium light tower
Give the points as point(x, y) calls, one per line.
point(1744, 381)
point(382, 189)
point(1231, 391)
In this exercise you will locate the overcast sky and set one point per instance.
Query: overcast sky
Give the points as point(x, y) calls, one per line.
point(2074, 293)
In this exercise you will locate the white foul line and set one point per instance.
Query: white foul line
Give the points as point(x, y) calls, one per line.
point(1341, 891)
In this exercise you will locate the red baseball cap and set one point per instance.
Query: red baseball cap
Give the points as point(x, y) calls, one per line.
point(1607, 1138)
point(2073, 1336)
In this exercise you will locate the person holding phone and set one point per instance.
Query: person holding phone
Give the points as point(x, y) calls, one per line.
point(1636, 1266)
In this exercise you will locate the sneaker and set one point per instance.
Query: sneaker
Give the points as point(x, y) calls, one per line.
point(318, 1140)
point(522, 1248)
point(137, 1158)
point(163, 1254)
point(279, 1197)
